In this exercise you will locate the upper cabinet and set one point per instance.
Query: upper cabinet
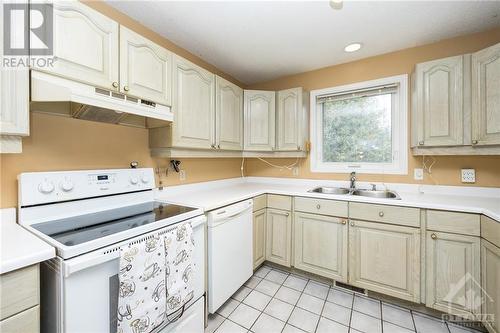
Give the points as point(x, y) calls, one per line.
point(456, 105)
point(193, 104)
point(439, 106)
point(291, 120)
point(275, 121)
point(145, 68)
point(260, 116)
point(85, 45)
point(228, 115)
point(486, 96)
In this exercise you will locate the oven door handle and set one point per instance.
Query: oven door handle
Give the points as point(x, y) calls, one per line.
point(80, 263)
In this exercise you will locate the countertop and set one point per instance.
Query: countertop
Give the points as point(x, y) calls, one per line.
point(215, 194)
point(19, 248)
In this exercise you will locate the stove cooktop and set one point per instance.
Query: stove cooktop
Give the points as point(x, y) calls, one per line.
point(83, 228)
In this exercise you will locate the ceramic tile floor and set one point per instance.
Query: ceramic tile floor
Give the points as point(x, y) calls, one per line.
point(276, 301)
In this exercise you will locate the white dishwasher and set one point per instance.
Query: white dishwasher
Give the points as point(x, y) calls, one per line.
point(230, 251)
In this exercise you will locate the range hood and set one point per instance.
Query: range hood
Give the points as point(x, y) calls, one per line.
point(55, 95)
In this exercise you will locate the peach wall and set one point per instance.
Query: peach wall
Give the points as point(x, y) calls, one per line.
point(446, 170)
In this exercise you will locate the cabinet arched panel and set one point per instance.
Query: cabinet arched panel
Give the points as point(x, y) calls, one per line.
point(145, 68)
point(85, 45)
point(259, 111)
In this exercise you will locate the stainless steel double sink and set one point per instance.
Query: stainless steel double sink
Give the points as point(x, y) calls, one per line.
point(380, 194)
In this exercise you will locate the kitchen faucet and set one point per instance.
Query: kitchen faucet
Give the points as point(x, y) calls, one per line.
point(353, 181)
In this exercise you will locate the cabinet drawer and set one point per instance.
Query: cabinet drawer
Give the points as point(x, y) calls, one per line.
point(321, 206)
point(490, 230)
point(457, 223)
point(259, 202)
point(282, 202)
point(19, 290)
point(386, 214)
point(25, 322)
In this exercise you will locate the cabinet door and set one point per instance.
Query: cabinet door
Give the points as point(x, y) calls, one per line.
point(290, 120)
point(85, 45)
point(490, 272)
point(193, 104)
point(385, 258)
point(440, 96)
point(452, 269)
point(321, 245)
point(486, 96)
point(145, 68)
point(259, 111)
point(259, 237)
point(228, 115)
point(278, 236)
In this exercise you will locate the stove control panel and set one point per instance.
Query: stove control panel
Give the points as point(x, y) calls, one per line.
point(44, 187)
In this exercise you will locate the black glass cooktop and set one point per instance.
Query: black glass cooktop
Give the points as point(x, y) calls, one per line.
point(87, 227)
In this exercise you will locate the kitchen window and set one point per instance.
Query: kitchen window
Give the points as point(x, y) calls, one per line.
point(361, 127)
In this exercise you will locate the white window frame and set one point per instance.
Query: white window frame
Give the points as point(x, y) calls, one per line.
point(399, 127)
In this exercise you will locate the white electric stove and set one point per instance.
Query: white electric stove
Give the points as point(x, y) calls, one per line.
point(87, 215)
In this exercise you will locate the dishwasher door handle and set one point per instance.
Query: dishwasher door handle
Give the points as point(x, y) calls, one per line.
point(221, 216)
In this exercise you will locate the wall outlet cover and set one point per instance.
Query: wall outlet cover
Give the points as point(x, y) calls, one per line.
point(182, 175)
point(418, 174)
point(468, 175)
point(295, 171)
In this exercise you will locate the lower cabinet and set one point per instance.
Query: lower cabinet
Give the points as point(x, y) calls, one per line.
point(321, 245)
point(385, 258)
point(490, 262)
point(453, 281)
point(279, 236)
point(259, 237)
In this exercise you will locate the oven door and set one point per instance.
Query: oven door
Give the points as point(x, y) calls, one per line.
point(87, 288)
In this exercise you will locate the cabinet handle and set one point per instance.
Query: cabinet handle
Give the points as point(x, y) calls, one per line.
point(352, 224)
point(287, 214)
point(212, 146)
point(420, 143)
point(474, 142)
point(115, 84)
point(126, 88)
point(298, 148)
point(318, 206)
point(218, 146)
point(344, 222)
point(381, 214)
point(434, 236)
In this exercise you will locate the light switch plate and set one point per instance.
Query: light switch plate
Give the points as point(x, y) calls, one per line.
point(418, 174)
point(468, 175)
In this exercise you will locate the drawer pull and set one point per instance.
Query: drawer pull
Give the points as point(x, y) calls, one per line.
point(318, 206)
point(115, 84)
point(126, 88)
point(344, 222)
point(381, 214)
point(434, 236)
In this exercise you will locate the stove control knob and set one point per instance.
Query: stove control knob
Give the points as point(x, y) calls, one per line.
point(67, 185)
point(145, 179)
point(134, 180)
point(46, 187)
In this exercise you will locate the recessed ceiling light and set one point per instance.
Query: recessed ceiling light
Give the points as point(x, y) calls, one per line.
point(336, 4)
point(353, 47)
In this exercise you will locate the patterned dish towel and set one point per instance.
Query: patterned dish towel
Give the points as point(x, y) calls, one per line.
point(141, 297)
point(156, 280)
point(179, 246)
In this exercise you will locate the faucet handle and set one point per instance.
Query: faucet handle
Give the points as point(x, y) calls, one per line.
point(374, 187)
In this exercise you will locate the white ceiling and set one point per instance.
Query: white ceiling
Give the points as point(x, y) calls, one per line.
point(256, 41)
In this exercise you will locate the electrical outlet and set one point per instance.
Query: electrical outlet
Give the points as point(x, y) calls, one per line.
point(182, 175)
point(295, 171)
point(418, 174)
point(468, 176)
